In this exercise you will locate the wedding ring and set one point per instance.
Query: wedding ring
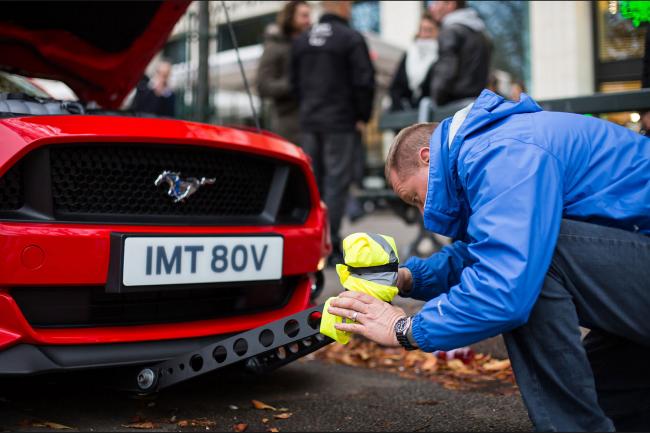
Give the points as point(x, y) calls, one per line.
point(354, 316)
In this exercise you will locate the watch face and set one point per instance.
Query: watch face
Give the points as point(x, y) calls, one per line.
point(400, 326)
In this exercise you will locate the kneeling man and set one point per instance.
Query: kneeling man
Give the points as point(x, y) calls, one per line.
point(551, 212)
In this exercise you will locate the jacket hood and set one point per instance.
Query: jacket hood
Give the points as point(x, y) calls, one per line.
point(100, 48)
point(465, 16)
point(444, 210)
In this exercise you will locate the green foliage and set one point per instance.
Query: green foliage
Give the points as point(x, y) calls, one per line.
point(637, 11)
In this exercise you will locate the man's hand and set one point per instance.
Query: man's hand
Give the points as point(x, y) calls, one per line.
point(404, 281)
point(375, 319)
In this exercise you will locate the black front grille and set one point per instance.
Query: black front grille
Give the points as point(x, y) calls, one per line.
point(11, 189)
point(114, 183)
point(64, 307)
point(119, 180)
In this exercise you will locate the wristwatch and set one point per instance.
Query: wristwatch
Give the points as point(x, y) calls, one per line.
point(402, 331)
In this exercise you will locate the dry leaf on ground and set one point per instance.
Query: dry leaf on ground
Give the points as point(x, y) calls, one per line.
point(265, 420)
point(241, 427)
point(496, 365)
point(284, 415)
point(199, 422)
point(273, 429)
point(261, 405)
point(51, 425)
point(474, 371)
point(147, 425)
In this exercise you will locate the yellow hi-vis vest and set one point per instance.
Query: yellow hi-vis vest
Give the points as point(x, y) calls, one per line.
point(370, 267)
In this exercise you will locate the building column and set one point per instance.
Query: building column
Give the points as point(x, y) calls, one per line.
point(561, 45)
point(399, 21)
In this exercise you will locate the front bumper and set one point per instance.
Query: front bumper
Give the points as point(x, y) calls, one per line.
point(64, 255)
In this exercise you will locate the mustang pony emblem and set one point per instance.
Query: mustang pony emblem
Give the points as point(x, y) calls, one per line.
point(180, 189)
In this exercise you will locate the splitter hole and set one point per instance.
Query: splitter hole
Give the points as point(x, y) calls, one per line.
point(314, 319)
point(291, 328)
point(266, 337)
point(196, 362)
point(220, 354)
point(240, 347)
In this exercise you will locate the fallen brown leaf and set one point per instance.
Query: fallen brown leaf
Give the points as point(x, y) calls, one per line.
point(285, 415)
point(241, 427)
point(265, 420)
point(283, 409)
point(147, 425)
point(496, 365)
point(199, 422)
point(262, 406)
point(430, 365)
point(52, 425)
point(273, 429)
point(471, 372)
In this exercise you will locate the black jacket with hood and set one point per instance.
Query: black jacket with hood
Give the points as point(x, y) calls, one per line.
point(463, 64)
point(332, 76)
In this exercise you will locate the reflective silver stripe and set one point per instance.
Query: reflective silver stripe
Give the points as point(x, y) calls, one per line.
point(392, 257)
point(383, 278)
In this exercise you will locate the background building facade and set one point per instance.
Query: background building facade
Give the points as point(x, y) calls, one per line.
point(556, 49)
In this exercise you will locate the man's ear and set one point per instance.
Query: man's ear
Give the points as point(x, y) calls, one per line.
point(423, 155)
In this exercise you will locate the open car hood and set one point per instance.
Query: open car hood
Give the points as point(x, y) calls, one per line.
point(98, 48)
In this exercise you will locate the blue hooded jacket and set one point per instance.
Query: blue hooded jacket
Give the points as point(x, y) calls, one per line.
point(502, 180)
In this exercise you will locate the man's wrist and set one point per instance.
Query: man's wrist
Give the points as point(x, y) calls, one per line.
point(409, 334)
point(402, 328)
point(404, 282)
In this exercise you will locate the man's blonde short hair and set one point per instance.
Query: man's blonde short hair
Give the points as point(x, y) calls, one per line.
point(403, 155)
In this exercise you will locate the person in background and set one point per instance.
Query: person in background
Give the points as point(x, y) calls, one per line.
point(334, 79)
point(516, 89)
point(154, 95)
point(273, 72)
point(411, 81)
point(464, 51)
point(493, 84)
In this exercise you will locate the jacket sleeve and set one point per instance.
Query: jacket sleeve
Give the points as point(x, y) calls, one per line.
point(363, 79)
point(399, 88)
point(270, 82)
point(438, 273)
point(515, 193)
point(446, 68)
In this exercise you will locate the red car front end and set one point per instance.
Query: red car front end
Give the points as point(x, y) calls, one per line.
point(90, 276)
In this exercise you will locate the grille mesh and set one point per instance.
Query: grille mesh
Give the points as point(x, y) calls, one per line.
point(119, 180)
point(11, 189)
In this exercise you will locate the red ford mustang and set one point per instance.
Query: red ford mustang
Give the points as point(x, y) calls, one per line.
point(126, 240)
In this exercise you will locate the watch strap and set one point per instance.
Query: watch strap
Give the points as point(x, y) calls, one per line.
point(402, 337)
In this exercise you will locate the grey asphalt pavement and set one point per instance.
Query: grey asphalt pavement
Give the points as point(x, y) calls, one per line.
point(320, 396)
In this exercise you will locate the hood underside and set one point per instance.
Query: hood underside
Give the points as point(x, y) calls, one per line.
point(98, 48)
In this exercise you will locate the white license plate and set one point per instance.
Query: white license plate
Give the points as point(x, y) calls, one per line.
point(152, 261)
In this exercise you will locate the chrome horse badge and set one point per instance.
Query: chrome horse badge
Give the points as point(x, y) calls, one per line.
point(179, 188)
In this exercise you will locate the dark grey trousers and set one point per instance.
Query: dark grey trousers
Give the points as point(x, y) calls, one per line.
point(599, 279)
point(332, 155)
